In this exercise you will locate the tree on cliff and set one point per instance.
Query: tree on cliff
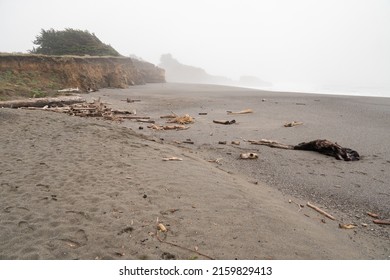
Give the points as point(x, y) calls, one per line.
point(71, 42)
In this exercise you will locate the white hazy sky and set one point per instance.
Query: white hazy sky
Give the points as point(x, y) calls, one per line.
point(294, 42)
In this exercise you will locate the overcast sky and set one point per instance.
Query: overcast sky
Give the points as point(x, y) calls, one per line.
point(292, 42)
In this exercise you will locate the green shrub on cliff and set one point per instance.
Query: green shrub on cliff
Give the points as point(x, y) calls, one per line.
point(71, 42)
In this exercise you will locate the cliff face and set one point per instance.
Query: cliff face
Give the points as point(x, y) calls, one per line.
point(47, 73)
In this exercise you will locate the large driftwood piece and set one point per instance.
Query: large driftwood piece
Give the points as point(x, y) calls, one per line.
point(42, 102)
point(325, 147)
point(329, 148)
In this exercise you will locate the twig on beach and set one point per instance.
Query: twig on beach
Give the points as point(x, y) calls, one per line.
point(320, 211)
point(246, 111)
point(299, 205)
point(172, 159)
point(372, 215)
point(293, 123)
point(168, 117)
point(224, 122)
point(181, 247)
point(381, 222)
point(271, 143)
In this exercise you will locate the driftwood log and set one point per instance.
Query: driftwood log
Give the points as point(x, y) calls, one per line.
point(325, 147)
point(329, 148)
point(41, 102)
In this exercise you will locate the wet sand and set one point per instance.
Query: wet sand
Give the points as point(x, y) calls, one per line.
point(77, 188)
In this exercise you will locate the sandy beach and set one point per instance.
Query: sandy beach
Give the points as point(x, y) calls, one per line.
point(85, 188)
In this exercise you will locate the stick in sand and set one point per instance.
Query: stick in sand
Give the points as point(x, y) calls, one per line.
point(320, 211)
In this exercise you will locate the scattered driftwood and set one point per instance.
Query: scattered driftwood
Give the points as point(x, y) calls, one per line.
point(224, 122)
point(271, 143)
point(249, 156)
point(328, 148)
point(168, 127)
point(202, 114)
point(381, 222)
point(291, 124)
point(68, 90)
point(320, 211)
point(186, 119)
point(246, 111)
point(235, 143)
point(41, 102)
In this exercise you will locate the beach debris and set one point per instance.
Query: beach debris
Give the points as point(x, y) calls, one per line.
point(188, 141)
point(364, 225)
point(347, 226)
point(222, 142)
point(381, 222)
point(168, 256)
point(271, 143)
point(145, 121)
point(168, 116)
point(126, 230)
point(202, 114)
point(249, 156)
point(263, 100)
point(293, 123)
point(235, 143)
point(69, 90)
point(300, 206)
point(246, 111)
point(218, 160)
point(372, 214)
point(172, 211)
point(172, 159)
point(326, 147)
point(186, 119)
point(320, 211)
point(42, 102)
point(177, 245)
point(129, 100)
point(224, 122)
point(168, 127)
point(161, 227)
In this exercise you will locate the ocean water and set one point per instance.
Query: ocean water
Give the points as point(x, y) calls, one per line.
point(336, 90)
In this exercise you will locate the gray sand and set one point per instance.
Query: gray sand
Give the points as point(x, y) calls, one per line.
point(77, 188)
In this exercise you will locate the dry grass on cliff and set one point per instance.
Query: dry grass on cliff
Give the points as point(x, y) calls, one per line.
point(27, 84)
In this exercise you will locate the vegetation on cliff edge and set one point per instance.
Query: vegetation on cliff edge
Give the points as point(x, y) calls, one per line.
point(71, 42)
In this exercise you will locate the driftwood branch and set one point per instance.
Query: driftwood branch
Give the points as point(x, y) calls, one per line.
point(320, 211)
point(272, 144)
point(381, 222)
point(42, 102)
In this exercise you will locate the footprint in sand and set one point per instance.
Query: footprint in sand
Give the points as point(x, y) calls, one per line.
point(79, 239)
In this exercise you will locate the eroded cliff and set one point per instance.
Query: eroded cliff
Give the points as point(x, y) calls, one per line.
point(39, 75)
